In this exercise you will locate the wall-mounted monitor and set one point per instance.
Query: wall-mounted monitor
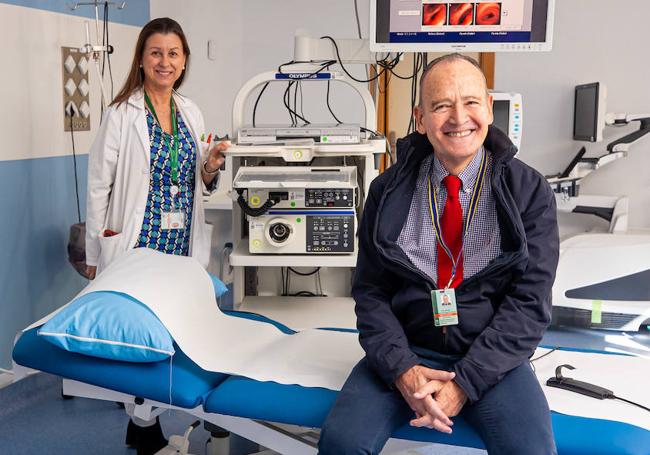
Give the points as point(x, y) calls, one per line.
point(589, 112)
point(461, 26)
point(508, 115)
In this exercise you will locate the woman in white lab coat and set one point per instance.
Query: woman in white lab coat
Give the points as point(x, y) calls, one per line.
point(148, 167)
point(147, 171)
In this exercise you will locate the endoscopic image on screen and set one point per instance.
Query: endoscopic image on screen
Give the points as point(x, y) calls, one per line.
point(488, 13)
point(461, 14)
point(434, 14)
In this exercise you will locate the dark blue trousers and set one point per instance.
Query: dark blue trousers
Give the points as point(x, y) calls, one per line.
point(512, 418)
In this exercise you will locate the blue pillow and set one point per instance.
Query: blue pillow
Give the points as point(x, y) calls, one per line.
point(219, 288)
point(110, 325)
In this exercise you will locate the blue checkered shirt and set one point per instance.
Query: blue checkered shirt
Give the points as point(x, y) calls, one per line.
point(483, 241)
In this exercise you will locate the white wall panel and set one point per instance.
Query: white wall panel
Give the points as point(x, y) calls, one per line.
point(594, 40)
point(255, 36)
point(31, 80)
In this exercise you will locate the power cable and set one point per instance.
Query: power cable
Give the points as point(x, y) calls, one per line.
point(418, 59)
point(319, 287)
point(101, 109)
point(258, 100)
point(109, 51)
point(302, 112)
point(286, 98)
point(287, 104)
point(631, 402)
point(389, 150)
point(356, 15)
point(74, 162)
point(329, 107)
point(319, 284)
point(541, 356)
point(313, 272)
point(295, 101)
point(340, 62)
point(293, 114)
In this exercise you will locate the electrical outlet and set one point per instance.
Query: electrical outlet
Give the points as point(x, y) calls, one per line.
point(250, 281)
point(76, 96)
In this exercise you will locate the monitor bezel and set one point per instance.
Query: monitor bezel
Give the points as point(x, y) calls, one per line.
point(515, 107)
point(599, 123)
point(544, 46)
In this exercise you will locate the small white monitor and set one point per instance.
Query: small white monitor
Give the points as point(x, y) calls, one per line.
point(461, 26)
point(589, 112)
point(508, 115)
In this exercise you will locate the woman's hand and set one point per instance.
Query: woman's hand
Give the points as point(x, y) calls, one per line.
point(214, 161)
point(215, 157)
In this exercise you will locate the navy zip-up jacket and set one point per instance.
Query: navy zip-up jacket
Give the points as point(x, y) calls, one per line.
point(503, 310)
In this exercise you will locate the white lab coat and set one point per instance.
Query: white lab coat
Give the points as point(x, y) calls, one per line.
point(118, 181)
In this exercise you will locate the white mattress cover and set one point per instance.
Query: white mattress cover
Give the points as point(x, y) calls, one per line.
point(179, 291)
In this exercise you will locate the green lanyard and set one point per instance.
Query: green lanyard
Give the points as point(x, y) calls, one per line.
point(172, 151)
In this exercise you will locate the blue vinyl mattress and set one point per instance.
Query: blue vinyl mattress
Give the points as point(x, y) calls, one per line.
point(305, 406)
point(292, 404)
point(190, 383)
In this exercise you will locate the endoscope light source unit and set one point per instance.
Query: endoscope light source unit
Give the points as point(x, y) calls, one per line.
point(299, 209)
point(452, 26)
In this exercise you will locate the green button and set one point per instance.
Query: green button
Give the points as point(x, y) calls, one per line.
point(596, 311)
point(293, 203)
point(298, 220)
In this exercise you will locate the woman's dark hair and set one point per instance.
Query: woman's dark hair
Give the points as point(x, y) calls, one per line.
point(135, 80)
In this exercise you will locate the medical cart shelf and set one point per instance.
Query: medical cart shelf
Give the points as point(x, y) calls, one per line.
point(365, 147)
point(302, 313)
point(255, 295)
point(217, 201)
point(241, 257)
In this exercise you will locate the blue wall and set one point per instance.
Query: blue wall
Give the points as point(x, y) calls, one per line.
point(37, 207)
point(38, 204)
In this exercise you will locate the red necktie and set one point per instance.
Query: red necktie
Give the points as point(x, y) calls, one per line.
point(452, 232)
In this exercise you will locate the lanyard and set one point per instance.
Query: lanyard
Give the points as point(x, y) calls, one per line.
point(173, 152)
point(473, 204)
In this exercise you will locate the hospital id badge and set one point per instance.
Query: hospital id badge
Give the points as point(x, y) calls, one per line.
point(173, 220)
point(445, 311)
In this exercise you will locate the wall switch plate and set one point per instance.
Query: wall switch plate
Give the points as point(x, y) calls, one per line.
point(76, 89)
point(212, 50)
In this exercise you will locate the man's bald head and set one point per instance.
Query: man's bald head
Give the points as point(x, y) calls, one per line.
point(444, 59)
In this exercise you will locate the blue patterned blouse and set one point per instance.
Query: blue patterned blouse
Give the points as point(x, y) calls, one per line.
point(171, 241)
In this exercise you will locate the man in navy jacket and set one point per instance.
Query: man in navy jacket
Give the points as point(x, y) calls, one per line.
point(478, 367)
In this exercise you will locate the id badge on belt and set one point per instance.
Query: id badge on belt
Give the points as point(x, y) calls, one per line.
point(175, 218)
point(445, 311)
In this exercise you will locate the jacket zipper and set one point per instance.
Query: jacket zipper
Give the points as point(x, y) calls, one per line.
point(407, 265)
point(398, 260)
point(432, 286)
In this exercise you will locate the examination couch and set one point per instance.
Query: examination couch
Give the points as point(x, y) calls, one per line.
point(250, 408)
